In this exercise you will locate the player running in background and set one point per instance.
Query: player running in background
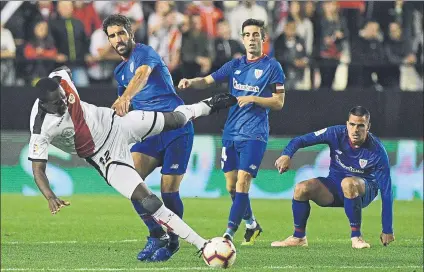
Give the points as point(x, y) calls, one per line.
point(101, 137)
point(359, 167)
point(144, 82)
point(258, 83)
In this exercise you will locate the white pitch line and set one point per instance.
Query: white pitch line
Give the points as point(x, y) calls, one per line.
point(141, 241)
point(207, 268)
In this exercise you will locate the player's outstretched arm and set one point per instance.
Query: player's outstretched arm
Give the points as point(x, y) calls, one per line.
point(137, 83)
point(40, 177)
point(276, 102)
point(196, 83)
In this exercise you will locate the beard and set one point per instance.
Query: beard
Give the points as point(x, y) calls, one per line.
point(127, 49)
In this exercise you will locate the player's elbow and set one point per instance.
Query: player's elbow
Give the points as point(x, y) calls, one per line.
point(278, 105)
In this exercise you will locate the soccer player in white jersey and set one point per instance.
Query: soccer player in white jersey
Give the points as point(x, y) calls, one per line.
point(101, 137)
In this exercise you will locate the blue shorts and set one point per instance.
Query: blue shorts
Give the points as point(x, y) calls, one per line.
point(242, 155)
point(333, 184)
point(172, 148)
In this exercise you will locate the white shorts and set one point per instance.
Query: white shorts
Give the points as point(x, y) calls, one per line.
point(133, 127)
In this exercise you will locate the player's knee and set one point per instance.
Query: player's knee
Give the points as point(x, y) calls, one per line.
point(170, 183)
point(350, 187)
point(174, 120)
point(231, 188)
point(244, 176)
point(243, 181)
point(151, 204)
point(301, 190)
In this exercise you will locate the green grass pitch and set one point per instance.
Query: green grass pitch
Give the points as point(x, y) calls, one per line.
point(103, 233)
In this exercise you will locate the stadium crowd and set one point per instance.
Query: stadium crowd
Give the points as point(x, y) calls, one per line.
point(320, 45)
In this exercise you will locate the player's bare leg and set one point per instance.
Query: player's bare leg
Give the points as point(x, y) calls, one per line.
point(353, 189)
point(304, 191)
point(127, 181)
point(253, 229)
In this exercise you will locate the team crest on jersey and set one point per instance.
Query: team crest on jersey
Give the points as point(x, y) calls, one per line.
point(363, 163)
point(71, 99)
point(258, 73)
point(132, 67)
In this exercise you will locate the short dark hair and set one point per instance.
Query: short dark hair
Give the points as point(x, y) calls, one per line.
point(119, 20)
point(360, 111)
point(46, 85)
point(254, 22)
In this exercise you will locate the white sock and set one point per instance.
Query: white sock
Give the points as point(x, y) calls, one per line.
point(194, 111)
point(167, 218)
point(251, 226)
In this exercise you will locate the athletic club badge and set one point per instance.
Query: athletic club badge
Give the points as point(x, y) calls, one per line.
point(258, 73)
point(363, 163)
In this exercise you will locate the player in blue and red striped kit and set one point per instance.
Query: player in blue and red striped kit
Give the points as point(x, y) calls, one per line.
point(258, 83)
point(359, 168)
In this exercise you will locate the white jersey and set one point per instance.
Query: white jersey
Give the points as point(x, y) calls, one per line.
point(82, 130)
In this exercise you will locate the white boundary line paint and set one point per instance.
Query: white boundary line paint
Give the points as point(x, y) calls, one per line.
point(209, 269)
point(141, 241)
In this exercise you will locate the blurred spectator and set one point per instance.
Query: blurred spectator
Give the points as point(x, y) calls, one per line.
point(13, 18)
point(225, 48)
point(209, 14)
point(280, 15)
point(101, 70)
point(369, 51)
point(134, 11)
point(353, 12)
point(385, 12)
point(195, 55)
point(173, 41)
point(399, 53)
point(249, 9)
point(39, 11)
point(104, 8)
point(162, 29)
point(291, 53)
point(333, 33)
point(167, 40)
point(304, 28)
point(71, 42)
point(41, 52)
point(8, 52)
point(312, 15)
point(85, 12)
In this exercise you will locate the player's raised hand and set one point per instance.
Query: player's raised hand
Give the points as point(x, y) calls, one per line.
point(121, 106)
point(283, 163)
point(184, 83)
point(55, 204)
point(244, 100)
point(386, 239)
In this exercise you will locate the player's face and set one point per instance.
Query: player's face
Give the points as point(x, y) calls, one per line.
point(55, 103)
point(358, 127)
point(252, 40)
point(120, 40)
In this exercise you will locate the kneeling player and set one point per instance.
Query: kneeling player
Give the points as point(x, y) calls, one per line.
point(359, 167)
point(101, 137)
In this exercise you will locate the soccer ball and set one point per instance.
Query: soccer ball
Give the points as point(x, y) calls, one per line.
point(219, 253)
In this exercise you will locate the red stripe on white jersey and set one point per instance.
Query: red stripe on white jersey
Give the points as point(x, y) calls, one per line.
point(84, 144)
